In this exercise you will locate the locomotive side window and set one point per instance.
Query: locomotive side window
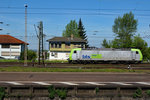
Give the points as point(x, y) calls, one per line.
point(75, 52)
point(137, 52)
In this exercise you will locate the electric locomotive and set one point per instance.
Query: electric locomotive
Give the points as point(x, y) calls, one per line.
point(112, 55)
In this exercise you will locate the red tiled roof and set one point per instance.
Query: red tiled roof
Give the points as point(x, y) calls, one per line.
point(7, 39)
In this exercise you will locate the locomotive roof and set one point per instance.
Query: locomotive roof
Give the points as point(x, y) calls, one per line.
point(108, 49)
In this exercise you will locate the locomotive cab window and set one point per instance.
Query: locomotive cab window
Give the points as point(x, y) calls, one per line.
point(137, 52)
point(75, 52)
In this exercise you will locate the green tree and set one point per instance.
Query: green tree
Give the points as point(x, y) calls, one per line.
point(125, 28)
point(148, 54)
point(115, 43)
point(71, 28)
point(82, 32)
point(139, 43)
point(106, 44)
point(31, 55)
point(2, 93)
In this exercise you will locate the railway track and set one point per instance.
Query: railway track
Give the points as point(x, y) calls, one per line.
point(142, 66)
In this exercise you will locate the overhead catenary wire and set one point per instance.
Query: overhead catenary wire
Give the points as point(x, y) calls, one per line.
point(76, 9)
point(91, 14)
point(80, 11)
point(89, 36)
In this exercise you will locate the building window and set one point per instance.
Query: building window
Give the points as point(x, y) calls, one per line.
point(67, 44)
point(15, 47)
point(59, 45)
point(55, 55)
point(5, 53)
point(55, 45)
point(15, 53)
point(82, 45)
point(52, 45)
point(5, 46)
point(52, 54)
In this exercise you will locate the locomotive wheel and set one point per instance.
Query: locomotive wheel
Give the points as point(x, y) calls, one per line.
point(70, 61)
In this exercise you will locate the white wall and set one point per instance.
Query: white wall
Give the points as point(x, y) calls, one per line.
point(60, 55)
point(0, 49)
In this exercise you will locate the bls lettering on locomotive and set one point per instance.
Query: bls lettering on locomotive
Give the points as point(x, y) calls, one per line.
point(86, 57)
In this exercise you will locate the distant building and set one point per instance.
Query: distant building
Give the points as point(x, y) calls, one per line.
point(60, 47)
point(10, 47)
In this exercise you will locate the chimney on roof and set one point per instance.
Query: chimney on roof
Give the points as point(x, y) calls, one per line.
point(72, 36)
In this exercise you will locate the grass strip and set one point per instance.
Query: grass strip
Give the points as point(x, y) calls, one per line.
point(36, 69)
point(46, 61)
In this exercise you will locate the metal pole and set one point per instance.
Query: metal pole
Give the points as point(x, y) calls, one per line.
point(39, 49)
point(25, 51)
point(42, 42)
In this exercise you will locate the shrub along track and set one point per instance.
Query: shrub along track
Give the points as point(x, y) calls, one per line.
point(142, 66)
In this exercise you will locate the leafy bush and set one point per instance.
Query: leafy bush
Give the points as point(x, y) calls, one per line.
point(148, 92)
point(9, 60)
point(61, 93)
point(31, 55)
point(52, 92)
point(138, 93)
point(2, 93)
point(96, 90)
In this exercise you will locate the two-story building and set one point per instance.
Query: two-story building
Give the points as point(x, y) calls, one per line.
point(10, 47)
point(60, 47)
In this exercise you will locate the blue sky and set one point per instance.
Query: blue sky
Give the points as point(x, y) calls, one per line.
point(97, 16)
